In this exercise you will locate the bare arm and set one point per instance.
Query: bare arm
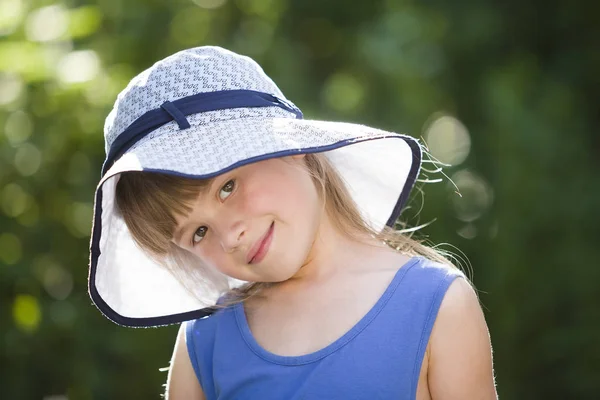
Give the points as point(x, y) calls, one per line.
point(182, 383)
point(460, 365)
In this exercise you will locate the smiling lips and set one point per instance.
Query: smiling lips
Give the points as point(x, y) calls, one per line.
point(261, 248)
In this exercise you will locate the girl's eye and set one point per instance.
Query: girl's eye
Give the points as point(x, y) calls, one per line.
point(199, 234)
point(227, 189)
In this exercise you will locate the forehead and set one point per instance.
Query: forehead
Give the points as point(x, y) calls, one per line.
point(255, 170)
point(269, 169)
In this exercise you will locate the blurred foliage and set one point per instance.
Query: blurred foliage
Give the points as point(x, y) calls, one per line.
point(507, 91)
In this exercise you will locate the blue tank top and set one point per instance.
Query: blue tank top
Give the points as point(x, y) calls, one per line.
point(379, 358)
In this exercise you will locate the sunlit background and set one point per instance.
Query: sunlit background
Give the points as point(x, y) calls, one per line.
point(507, 93)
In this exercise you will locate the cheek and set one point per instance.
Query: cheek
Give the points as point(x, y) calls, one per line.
point(215, 259)
point(286, 194)
point(301, 198)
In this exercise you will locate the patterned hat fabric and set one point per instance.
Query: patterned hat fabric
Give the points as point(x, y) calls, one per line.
point(202, 112)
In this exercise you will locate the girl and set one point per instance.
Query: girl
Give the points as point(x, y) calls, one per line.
point(272, 238)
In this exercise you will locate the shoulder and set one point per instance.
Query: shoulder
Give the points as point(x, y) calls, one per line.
point(459, 312)
point(431, 279)
point(460, 299)
point(460, 354)
point(428, 267)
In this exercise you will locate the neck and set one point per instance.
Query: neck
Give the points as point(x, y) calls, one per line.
point(334, 252)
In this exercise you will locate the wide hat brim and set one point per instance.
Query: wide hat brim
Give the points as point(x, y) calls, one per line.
point(132, 289)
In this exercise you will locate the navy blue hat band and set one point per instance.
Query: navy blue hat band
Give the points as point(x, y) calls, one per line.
point(178, 110)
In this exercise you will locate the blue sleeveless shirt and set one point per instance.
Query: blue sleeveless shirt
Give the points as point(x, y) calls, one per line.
point(379, 358)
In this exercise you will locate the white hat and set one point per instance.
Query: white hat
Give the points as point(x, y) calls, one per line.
point(200, 113)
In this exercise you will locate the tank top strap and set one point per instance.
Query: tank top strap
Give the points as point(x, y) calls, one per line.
point(201, 339)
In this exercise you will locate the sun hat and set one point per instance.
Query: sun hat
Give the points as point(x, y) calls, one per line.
point(202, 112)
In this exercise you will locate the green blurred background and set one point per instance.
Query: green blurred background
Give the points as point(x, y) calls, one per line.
point(508, 92)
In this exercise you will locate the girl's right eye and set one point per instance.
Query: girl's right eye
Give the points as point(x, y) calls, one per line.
point(199, 235)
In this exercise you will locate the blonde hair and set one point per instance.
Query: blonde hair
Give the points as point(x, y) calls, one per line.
point(149, 202)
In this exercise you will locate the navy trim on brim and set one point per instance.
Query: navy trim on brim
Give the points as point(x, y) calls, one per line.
point(410, 182)
point(95, 252)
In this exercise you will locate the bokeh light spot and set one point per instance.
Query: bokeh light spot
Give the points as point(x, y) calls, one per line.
point(10, 248)
point(26, 312)
point(84, 21)
point(27, 59)
point(14, 200)
point(11, 87)
point(447, 139)
point(210, 4)
point(343, 92)
point(57, 281)
point(28, 159)
point(18, 127)
point(11, 13)
point(476, 195)
point(56, 397)
point(78, 66)
point(469, 231)
point(46, 24)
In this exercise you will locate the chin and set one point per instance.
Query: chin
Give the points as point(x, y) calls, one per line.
point(282, 273)
point(278, 277)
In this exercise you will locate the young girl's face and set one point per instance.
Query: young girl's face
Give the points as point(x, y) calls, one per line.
point(256, 223)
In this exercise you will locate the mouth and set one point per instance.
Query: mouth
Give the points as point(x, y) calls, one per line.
point(260, 249)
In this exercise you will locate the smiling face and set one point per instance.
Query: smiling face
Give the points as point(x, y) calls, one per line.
point(256, 223)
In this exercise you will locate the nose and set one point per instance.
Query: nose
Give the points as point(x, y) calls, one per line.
point(233, 235)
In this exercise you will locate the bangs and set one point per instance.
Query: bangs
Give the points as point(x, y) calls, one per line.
point(150, 202)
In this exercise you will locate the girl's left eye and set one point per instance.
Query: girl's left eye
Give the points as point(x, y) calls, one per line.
point(227, 189)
